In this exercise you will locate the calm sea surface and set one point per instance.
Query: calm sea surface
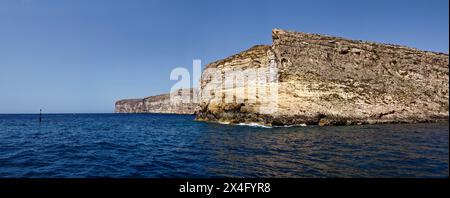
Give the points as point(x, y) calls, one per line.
point(157, 145)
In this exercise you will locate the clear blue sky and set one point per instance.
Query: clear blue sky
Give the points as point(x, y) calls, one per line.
point(81, 56)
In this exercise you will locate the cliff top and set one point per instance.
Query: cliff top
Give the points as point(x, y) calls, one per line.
point(277, 34)
point(252, 52)
point(154, 98)
point(130, 101)
point(280, 33)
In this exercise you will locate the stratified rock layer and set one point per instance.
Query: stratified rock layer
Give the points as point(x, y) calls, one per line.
point(156, 104)
point(331, 81)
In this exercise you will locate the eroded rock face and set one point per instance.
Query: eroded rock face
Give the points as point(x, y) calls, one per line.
point(221, 102)
point(328, 81)
point(158, 104)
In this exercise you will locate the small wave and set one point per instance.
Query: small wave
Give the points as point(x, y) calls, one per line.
point(294, 125)
point(253, 124)
point(221, 122)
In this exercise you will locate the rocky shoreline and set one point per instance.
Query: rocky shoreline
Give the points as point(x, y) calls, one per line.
point(321, 80)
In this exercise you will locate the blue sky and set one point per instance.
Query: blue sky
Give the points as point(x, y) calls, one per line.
point(67, 56)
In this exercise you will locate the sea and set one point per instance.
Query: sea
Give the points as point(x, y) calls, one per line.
point(168, 146)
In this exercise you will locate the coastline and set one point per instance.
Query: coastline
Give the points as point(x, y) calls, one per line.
point(319, 80)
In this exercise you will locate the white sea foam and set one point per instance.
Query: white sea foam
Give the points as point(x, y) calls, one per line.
point(294, 125)
point(253, 124)
point(223, 122)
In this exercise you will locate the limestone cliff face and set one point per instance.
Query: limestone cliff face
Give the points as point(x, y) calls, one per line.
point(219, 102)
point(328, 80)
point(157, 104)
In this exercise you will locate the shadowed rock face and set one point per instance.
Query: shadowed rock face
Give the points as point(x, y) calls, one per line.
point(157, 104)
point(332, 81)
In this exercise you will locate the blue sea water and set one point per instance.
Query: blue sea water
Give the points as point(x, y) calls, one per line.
point(159, 145)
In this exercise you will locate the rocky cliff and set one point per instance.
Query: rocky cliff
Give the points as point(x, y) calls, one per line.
point(317, 79)
point(157, 104)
